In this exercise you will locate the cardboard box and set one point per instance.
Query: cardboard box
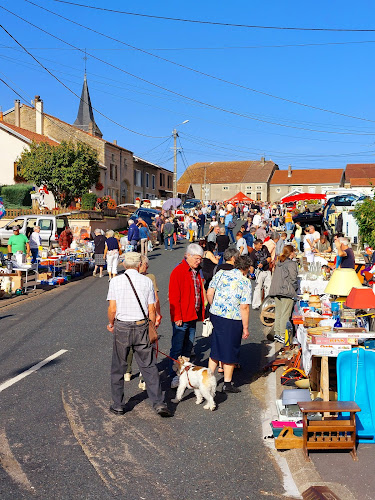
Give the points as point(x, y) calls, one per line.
point(45, 276)
point(17, 282)
point(320, 340)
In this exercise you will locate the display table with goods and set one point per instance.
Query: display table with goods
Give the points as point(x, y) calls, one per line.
point(336, 365)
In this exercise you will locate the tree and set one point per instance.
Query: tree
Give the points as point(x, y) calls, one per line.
point(364, 214)
point(68, 170)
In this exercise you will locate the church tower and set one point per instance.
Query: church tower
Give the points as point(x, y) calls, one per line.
point(85, 118)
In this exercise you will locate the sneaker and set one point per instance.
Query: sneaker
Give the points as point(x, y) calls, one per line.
point(175, 382)
point(127, 377)
point(229, 387)
point(117, 410)
point(279, 338)
point(142, 385)
point(163, 411)
point(94, 273)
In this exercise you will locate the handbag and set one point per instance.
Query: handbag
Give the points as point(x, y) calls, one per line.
point(231, 225)
point(207, 328)
point(152, 333)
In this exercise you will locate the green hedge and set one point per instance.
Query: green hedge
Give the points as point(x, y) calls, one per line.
point(17, 195)
point(88, 201)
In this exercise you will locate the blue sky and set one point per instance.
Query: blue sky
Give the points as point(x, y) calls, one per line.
point(330, 70)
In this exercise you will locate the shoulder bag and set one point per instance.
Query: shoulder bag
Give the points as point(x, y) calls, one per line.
point(152, 333)
point(207, 323)
point(231, 225)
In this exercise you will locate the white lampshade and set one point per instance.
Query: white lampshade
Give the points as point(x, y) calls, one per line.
point(342, 281)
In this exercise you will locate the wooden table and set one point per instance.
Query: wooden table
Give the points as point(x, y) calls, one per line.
point(330, 433)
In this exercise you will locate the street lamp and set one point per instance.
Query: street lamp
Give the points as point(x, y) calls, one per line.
point(175, 135)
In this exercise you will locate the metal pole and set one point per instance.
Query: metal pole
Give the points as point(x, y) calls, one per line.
point(175, 163)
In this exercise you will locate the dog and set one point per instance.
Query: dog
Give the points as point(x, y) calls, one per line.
point(198, 378)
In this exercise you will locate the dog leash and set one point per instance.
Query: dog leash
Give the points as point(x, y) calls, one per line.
point(163, 353)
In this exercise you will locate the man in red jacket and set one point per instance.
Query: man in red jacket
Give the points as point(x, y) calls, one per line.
point(186, 302)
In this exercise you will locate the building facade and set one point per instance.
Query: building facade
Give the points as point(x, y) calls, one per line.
point(304, 181)
point(223, 180)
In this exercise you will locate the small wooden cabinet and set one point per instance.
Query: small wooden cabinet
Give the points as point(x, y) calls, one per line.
point(332, 432)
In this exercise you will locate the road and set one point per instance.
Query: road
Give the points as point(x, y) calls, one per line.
point(58, 439)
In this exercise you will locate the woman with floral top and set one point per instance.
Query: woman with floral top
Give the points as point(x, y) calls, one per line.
point(230, 297)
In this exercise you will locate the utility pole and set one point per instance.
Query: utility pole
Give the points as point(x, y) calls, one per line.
point(175, 134)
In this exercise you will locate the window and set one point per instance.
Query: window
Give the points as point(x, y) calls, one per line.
point(115, 172)
point(311, 189)
point(248, 193)
point(45, 224)
point(137, 178)
point(147, 179)
point(162, 179)
point(278, 190)
point(169, 182)
point(125, 163)
point(259, 196)
point(259, 188)
point(111, 171)
point(248, 188)
point(225, 188)
point(153, 182)
point(113, 157)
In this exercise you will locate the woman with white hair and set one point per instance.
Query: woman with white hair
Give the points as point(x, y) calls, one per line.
point(99, 242)
point(111, 253)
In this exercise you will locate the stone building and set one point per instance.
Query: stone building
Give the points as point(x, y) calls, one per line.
point(119, 168)
point(222, 180)
point(305, 181)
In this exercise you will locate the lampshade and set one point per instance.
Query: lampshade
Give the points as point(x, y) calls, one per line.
point(342, 281)
point(361, 298)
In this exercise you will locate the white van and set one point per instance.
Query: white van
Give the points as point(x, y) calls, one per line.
point(51, 226)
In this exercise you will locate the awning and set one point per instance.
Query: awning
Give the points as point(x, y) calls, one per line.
point(240, 197)
point(303, 197)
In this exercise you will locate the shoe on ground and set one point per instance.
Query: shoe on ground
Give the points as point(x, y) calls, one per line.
point(175, 382)
point(163, 411)
point(117, 410)
point(256, 308)
point(127, 377)
point(142, 385)
point(229, 387)
point(94, 273)
point(279, 338)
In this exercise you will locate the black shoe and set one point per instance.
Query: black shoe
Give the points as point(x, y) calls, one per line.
point(229, 387)
point(163, 411)
point(117, 410)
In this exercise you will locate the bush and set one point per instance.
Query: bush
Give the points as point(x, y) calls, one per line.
point(364, 215)
point(17, 195)
point(88, 201)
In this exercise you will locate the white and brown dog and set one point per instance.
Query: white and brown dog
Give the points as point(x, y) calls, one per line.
point(198, 378)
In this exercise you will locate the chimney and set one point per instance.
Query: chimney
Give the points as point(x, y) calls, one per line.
point(91, 128)
point(1, 114)
point(39, 117)
point(290, 171)
point(263, 160)
point(115, 142)
point(17, 113)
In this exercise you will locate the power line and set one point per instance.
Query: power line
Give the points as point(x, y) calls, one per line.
point(191, 99)
point(215, 23)
point(70, 90)
point(235, 47)
point(207, 75)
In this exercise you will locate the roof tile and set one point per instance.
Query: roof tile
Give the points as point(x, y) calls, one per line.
point(300, 177)
point(33, 136)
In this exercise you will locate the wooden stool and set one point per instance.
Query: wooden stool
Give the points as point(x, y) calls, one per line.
point(330, 433)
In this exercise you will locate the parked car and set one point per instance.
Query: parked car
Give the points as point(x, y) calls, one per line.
point(190, 204)
point(51, 226)
point(147, 214)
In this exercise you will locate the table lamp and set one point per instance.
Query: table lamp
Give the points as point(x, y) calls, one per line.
point(342, 281)
point(361, 298)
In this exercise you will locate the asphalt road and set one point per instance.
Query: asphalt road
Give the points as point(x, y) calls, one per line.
point(58, 439)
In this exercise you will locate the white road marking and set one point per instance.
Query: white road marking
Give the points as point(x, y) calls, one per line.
point(34, 368)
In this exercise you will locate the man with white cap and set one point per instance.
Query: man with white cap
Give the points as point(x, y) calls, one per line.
point(131, 308)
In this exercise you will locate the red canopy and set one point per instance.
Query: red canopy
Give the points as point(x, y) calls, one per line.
point(240, 197)
point(303, 196)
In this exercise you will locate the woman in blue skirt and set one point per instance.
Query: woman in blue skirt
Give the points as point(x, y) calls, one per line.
point(229, 294)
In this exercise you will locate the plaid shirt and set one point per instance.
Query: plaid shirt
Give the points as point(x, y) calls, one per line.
point(197, 288)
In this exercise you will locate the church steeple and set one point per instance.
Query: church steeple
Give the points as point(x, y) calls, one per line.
point(85, 118)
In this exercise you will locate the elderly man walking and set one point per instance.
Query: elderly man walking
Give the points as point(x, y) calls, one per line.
point(131, 307)
point(186, 301)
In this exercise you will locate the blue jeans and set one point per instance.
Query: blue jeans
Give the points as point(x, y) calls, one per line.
point(182, 341)
point(200, 231)
point(34, 253)
point(221, 255)
point(168, 239)
point(288, 226)
point(229, 231)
